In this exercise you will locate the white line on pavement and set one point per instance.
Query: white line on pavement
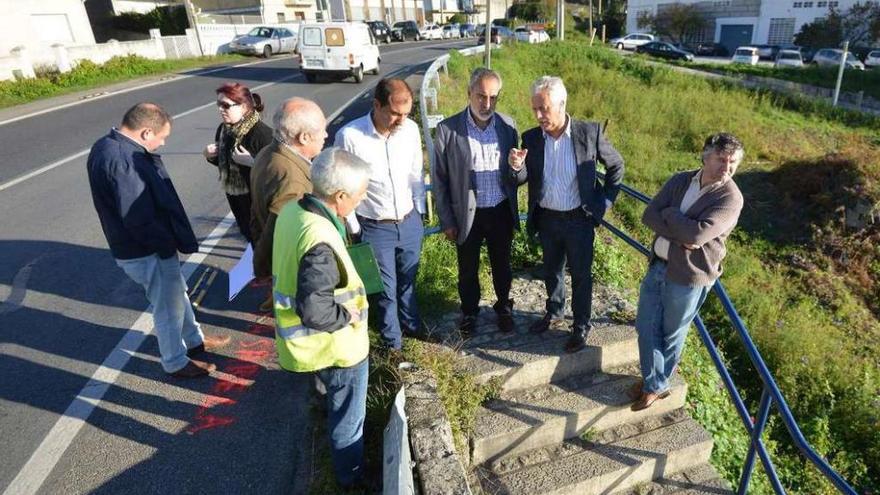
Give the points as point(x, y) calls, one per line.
point(59, 438)
point(81, 153)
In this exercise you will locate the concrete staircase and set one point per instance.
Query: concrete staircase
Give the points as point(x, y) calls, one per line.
point(562, 422)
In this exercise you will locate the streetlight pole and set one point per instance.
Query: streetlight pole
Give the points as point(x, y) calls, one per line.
point(487, 34)
point(560, 20)
point(840, 73)
point(191, 16)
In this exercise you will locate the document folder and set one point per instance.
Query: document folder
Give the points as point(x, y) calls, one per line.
point(365, 263)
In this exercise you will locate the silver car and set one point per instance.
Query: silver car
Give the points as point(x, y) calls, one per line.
point(788, 58)
point(264, 41)
point(830, 57)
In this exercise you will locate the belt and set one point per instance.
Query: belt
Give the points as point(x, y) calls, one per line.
point(568, 215)
point(391, 221)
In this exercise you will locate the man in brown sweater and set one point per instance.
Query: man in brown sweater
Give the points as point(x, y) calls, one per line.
point(281, 173)
point(692, 216)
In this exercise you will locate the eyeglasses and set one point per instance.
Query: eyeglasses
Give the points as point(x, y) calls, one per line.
point(226, 106)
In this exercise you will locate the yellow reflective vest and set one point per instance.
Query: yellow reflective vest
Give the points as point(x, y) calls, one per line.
point(301, 348)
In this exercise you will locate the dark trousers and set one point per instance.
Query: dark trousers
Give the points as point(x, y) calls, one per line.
point(397, 247)
point(495, 226)
point(568, 235)
point(240, 205)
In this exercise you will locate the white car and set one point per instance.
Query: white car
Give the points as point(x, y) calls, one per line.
point(745, 55)
point(872, 59)
point(788, 58)
point(431, 32)
point(830, 57)
point(631, 41)
point(337, 48)
point(451, 31)
point(527, 35)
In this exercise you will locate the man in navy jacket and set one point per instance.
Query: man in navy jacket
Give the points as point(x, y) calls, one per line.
point(146, 226)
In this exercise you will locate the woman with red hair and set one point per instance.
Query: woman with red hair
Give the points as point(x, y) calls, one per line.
point(238, 139)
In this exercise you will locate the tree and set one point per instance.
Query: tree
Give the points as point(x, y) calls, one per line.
point(860, 25)
point(532, 10)
point(677, 21)
point(458, 18)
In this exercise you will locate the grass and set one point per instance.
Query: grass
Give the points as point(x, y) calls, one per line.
point(88, 75)
point(802, 282)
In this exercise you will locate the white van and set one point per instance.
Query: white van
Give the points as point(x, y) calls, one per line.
point(337, 48)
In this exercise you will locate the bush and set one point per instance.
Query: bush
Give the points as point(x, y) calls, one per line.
point(169, 20)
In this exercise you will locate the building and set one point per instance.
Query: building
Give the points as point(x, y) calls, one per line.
point(736, 23)
point(37, 26)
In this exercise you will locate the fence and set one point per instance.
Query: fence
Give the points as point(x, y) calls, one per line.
point(215, 38)
point(771, 395)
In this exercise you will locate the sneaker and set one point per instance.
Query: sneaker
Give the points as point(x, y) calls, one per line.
point(209, 343)
point(194, 369)
point(467, 325)
point(546, 323)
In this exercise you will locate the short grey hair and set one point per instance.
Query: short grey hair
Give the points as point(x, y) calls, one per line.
point(336, 169)
point(554, 88)
point(289, 125)
point(481, 73)
point(723, 143)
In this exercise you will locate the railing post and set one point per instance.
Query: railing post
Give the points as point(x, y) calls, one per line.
point(757, 431)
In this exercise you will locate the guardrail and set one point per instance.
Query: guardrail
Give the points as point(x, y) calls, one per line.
point(771, 395)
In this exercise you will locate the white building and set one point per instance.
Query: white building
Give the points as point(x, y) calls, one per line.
point(37, 26)
point(736, 23)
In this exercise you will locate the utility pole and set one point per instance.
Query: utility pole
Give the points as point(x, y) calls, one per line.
point(191, 16)
point(840, 72)
point(560, 19)
point(487, 34)
point(602, 20)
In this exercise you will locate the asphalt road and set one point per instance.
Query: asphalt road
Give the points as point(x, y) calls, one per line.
point(73, 418)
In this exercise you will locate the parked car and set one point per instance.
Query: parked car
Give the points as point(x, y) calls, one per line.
point(872, 59)
point(745, 55)
point(709, 49)
point(788, 58)
point(767, 52)
point(380, 30)
point(451, 31)
point(528, 35)
point(500, 34)
point(631, 41)
point(665, 50)
point(830, 57)
point(406, 30)
point(264, 40)
point(468, 30)
point(337, 48)
point(431, 32)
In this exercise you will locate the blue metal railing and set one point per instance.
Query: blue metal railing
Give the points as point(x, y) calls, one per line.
point(770, 395)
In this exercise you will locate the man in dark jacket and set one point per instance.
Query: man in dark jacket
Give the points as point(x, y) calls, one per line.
point(566, 201)
point(145, 226)
point(475, 189)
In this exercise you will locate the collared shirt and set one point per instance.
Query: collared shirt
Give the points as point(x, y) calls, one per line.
point(486, 163)
point(560, 172)
point(693, 193)
point(396, 167)
point(293, 150)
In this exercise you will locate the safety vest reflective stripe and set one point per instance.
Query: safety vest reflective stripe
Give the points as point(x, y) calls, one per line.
point(297, 331)
point(284, 301)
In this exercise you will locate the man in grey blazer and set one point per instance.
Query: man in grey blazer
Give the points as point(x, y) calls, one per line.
point(475, 192)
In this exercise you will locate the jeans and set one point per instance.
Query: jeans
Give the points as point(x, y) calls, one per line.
point(664, 315)
point(346, 410)
point(397, 248)
point(568, 235)
point(176, 327)
point(495, 225)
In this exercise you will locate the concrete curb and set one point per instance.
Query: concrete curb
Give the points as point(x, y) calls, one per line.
point(439, 469)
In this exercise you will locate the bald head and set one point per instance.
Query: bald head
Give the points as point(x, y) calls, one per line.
point(300, 123)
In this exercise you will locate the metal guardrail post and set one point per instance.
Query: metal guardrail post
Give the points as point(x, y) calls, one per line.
point(748, 467)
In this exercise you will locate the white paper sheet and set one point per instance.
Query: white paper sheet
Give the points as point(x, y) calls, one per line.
point(242, 273)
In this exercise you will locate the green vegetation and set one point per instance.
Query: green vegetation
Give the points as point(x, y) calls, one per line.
point(803, 283)
point(89, 75)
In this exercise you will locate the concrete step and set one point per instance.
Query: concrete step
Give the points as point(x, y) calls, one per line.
point(524, 360)
point(545, 415)
point(584, 467)
point(699, 480)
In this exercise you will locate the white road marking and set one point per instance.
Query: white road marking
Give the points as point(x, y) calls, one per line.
point(59, 438)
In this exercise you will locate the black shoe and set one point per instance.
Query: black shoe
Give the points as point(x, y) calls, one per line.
point(546, 323)
point(504, 311)
point(578, 339)
point(467, 325)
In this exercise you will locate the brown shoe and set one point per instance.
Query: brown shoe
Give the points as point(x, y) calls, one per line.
point(209, 343)
point(268, 305)
point(546, 323)
point(636, 390)
point(194, 369)
point(647, 399)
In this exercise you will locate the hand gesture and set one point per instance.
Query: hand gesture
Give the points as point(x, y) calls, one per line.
point(691, 246)
point(354, 313)
point(517, 158)
point(210, 151)
point(242, 157)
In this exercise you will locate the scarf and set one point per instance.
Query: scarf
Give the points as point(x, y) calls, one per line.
point(232, 174)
